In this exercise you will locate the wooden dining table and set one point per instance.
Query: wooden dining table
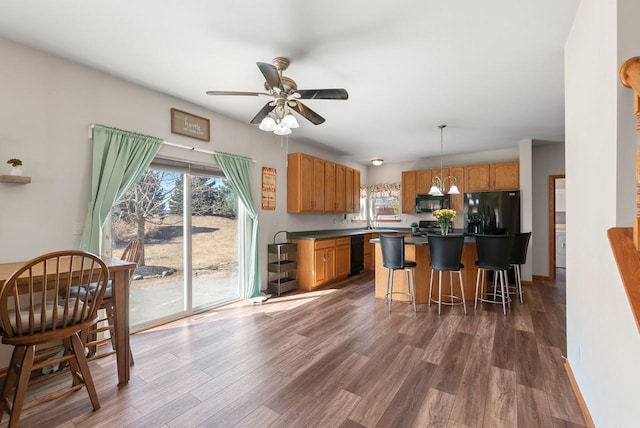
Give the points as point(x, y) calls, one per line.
point(119, 273)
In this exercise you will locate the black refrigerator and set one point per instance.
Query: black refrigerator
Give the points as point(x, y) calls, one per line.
point(492, 213)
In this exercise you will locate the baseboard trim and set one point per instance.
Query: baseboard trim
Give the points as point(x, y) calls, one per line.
point(527, 282)
point(583, 406)
point(542, 278)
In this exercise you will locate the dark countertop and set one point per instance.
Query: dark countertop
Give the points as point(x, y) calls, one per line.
point(424, 241)
point(339, 233)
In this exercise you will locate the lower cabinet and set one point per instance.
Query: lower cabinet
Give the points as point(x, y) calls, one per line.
point(322, 261)
point(369, 254)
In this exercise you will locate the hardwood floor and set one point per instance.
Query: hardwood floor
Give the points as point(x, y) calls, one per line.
point(337, 358)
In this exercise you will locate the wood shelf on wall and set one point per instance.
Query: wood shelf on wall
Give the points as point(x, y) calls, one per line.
point(19, 179)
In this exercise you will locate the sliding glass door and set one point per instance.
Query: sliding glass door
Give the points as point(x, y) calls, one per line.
point(188, 223)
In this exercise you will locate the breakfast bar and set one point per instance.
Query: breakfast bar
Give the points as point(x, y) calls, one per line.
point(417, 249)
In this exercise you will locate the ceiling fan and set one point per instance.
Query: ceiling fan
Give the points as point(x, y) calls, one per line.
point(286, 95)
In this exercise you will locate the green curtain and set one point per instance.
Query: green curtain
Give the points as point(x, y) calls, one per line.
point(120, 158)
point(237, 170)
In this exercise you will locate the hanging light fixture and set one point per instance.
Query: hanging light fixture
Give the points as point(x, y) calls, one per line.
point(437, 182)
point(280, 121)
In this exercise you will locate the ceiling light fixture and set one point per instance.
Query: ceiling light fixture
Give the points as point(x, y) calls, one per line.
point(437, 182)
point(377, 162)
point(280, 121)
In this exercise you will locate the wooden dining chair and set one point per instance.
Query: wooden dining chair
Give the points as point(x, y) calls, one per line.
point(132, 253)
point(34, 312)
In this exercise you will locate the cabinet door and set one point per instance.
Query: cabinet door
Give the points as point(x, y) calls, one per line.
point(330, 186)
point(341, 205)
point(457, 201)
point(320, 257)
point(299, 179)
point(408, 191)
point(348, 189)
point(343, 260)
point(477, 178)
point(505, 175)
point(355, 197)
point(317, 184)
point(423, 181)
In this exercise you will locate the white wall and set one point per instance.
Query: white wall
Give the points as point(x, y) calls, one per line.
point(603, 344)
point(548, 159)
point(526, 203)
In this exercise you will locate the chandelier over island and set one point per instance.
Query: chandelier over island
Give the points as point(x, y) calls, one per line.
point(438, 182)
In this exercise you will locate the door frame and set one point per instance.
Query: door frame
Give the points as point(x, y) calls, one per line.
point(552, 224)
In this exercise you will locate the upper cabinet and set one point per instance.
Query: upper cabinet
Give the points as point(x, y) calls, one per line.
point(492, 176)
point(469, 178)
point(505, 175)
point(409, 191)
point(316, 185)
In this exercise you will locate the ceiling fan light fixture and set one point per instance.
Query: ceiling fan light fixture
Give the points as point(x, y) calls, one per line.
point(377, 162)
point(267, 124)
point(282, 130)
point(289, 121)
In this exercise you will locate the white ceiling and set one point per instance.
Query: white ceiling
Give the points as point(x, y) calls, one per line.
point(491, 70)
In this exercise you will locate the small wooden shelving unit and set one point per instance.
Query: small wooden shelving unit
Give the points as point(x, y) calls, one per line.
point(18, 179)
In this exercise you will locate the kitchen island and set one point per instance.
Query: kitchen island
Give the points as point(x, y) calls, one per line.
point(417, 249)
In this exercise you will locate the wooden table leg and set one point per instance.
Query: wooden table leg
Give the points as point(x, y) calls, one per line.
point(121, 309)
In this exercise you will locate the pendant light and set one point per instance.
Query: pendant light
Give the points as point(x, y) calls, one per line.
point(437, 182)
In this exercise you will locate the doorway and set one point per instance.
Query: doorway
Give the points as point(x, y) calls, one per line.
point(188, 223)
point(557, 224)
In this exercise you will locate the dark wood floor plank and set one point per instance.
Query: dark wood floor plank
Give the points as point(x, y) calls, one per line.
point(376, 400)
point(562, 402)
point(406, 404)
point(448, 376)
point(527, 361)
point(500, 407)
point(469, 405)
point(434, 410)
point(447, 325)
point(262, 416)
point(533, 408)
point(337, 357)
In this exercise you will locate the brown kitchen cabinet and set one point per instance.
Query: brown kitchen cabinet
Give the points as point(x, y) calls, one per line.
point(330, 186)
point(316, 185)
point(355, 192)
point(322, 261)
point(369, 254)
point(341, 201)
point(492, 176)
point(408, 191)
point(343, 257)
point(423, 182)
point(505, 175)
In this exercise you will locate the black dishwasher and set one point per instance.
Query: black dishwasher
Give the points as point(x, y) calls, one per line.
point(357, 254)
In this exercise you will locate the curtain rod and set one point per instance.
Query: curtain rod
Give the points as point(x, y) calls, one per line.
point(180, 146)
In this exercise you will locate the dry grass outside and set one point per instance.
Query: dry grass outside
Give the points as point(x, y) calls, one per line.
point(214, 247)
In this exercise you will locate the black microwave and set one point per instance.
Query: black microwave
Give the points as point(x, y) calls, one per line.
point(428, 203)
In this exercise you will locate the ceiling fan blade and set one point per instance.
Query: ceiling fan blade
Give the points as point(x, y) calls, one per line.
point(308, 114)
point(323, 94)
point(262, 113)
point(253, 94)
point(270, 74)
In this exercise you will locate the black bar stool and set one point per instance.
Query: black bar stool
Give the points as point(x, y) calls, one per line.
point(518, 258)
point(392, 247)
point(446, 256)
point(494, 254)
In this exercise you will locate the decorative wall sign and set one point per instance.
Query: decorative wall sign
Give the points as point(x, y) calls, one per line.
point(268, 188)
point(193, 126)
